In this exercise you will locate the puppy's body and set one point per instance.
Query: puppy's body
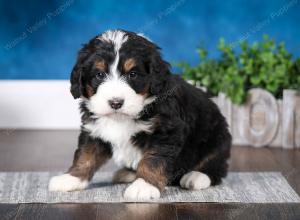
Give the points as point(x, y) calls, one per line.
point(153, 124)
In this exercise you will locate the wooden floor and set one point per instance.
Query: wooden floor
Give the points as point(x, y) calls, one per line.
point(53, 151)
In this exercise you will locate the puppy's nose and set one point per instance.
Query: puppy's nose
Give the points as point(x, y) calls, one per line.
point(116, 103)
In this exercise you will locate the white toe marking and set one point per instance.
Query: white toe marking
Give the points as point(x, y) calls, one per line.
point(195, 180)
point(66, 182)
point(141, 190)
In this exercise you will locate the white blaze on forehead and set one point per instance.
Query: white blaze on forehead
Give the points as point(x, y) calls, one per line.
point(117, 37)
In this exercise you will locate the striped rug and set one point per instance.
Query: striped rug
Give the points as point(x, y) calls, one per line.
point(243, 187)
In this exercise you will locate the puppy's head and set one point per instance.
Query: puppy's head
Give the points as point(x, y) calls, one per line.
point(118, 72)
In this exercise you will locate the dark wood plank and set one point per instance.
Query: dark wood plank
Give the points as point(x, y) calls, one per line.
point(53, 151)
point(57, 211)
point(150, 211)
point(95, 211)
point(136, 211)
point(8, 211)
point(36, 150)
point(252, 159)
point(238, 211)
point(45, 150)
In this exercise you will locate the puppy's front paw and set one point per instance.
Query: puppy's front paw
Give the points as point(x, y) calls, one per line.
point(66, 182)
point(141, 190)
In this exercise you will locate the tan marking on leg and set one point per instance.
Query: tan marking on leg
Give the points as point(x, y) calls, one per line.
point(124, 175)
point(204, 161)
point(87, 160)
point(153, 170)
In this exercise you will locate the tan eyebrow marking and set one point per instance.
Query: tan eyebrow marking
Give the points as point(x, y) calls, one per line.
point(100, 65)
point(129, 64)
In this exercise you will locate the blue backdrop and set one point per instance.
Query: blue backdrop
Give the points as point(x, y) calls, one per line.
point(40, 39)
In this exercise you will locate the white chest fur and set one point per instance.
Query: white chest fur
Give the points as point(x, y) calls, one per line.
point(118, 131)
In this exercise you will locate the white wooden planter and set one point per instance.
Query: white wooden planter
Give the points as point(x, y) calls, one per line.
point(263, 120)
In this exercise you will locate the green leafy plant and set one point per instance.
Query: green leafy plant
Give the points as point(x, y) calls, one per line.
point(263, 64)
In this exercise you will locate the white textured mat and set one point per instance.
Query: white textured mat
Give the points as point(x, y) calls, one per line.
point(31, 187)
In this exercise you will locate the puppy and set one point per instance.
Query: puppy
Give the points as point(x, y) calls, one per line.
point(159, 129)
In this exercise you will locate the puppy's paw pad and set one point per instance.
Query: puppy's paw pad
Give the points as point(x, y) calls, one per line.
point(195, 181)
point(141, 190)
point(66, 182)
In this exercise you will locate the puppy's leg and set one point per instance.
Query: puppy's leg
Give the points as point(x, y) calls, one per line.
point(88, 158)
point(124, 175)
point(209, 171)
point(155, 169)
point(151, 178)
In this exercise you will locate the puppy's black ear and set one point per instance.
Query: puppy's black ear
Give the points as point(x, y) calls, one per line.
point(160, 71)
point(76, 82)
point(76, 75)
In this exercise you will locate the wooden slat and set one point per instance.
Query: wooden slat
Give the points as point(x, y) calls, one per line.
point(263, 120)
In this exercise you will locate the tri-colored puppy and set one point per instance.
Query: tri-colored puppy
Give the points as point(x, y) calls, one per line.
point(159, 129)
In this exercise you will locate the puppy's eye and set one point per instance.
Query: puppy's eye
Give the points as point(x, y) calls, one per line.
point(100, 75)
point(132, 74)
